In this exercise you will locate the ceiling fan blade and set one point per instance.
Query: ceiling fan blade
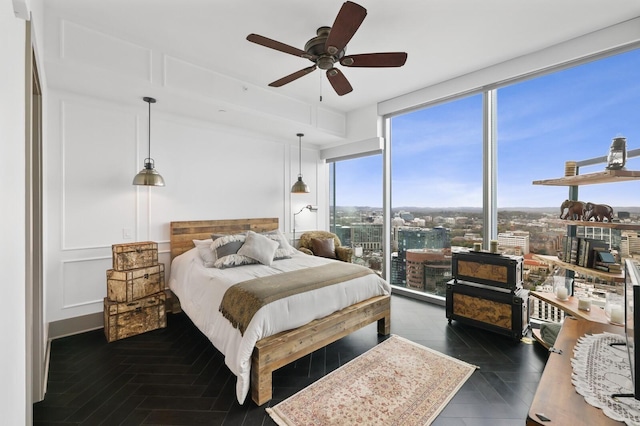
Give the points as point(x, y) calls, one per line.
point(345, 26)
point(339, 82)
point(296, 75)
point(272, 44)
point(389, 59)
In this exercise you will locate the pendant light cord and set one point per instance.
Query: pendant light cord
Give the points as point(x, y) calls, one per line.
point(149, 130)
point(299, 154)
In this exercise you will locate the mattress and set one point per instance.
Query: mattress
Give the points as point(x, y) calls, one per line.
point(201, 289)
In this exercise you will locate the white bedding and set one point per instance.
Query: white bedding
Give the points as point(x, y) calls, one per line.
point(200, 291)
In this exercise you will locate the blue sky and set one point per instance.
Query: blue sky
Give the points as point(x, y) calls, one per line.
point(543, 122)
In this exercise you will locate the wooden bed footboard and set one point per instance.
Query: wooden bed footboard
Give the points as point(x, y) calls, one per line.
point(283, 348)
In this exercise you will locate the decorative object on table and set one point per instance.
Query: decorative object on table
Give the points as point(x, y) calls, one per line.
point(561, 288)
point(570, 168)
point(148, 175)
point(493, 246)
point(299, 187)
point(136, 298)
point(617, 156)
point(598, 212)
point(614, 308)
point(601, 370)
point(584, 303)
point(572, 210)
point(308, 207)
point(396, 382)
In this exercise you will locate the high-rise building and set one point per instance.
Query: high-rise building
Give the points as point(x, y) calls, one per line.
point(367, 235)
point(514, 239)
point(428, 269)
point(417, 239)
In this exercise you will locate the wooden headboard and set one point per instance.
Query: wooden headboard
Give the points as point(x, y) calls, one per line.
point(182, 234)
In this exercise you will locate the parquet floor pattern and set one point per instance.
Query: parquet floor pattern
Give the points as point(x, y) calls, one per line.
point(174, 376)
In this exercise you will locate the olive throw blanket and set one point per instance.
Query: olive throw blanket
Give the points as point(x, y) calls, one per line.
point(241, 301)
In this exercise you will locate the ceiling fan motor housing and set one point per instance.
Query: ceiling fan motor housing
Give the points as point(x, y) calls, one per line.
point(317, 49)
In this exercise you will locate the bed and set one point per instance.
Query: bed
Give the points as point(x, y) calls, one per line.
point(282, 331)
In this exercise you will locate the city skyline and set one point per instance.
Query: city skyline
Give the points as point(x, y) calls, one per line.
point(543, 122)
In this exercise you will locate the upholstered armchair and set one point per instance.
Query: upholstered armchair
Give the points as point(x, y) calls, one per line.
point(325, 244)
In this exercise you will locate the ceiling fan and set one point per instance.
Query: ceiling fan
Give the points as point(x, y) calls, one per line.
point(329, 47)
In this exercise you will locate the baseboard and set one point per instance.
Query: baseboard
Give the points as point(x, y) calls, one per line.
point(415, 294)
point(76, 325)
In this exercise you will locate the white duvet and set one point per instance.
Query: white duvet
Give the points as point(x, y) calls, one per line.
point(200, 291)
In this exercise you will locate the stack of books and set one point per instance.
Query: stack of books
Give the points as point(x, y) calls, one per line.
point(606, 262)
point(586, 252)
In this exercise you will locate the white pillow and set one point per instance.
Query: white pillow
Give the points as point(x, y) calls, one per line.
point(259, 247)
point(205, 252)
point(285, 249)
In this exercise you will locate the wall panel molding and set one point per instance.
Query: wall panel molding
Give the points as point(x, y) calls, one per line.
point(96, 49)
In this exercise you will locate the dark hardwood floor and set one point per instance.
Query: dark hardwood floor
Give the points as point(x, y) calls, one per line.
point(174, 376)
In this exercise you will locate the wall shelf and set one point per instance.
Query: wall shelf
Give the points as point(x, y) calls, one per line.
point(612, 225)
point(607, 176)
point(553, 260)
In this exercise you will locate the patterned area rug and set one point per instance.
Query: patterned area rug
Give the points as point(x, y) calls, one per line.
point(397, 382)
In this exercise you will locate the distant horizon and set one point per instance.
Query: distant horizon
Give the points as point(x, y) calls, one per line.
point(556, 209)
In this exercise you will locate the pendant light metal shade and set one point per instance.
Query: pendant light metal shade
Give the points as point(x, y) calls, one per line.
point(299, 187)
point(148, 176)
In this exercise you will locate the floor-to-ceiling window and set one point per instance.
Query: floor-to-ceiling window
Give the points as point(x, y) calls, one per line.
point(436, 191)
point(547, 121)
point(436, 169)
point(356, 208)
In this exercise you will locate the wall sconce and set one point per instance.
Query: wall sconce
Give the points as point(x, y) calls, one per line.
point(311, 209)
point(617, 154)
point(148, 175)
point(299, 187)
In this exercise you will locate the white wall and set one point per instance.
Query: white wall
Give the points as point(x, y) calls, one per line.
point(13, 404)
point(95, 147)
point(96, 140)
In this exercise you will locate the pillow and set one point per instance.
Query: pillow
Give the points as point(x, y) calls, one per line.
point(233, 260)
point(323, 247)
point(285, 250)
point(226, 245)
point(259, 247)
point(205, 252)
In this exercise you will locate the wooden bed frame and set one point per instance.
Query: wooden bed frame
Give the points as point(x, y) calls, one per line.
point(283, 348)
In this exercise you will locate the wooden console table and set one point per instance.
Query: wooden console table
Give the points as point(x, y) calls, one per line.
point(556, 398)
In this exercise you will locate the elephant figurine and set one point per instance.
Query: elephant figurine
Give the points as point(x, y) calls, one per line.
point(598, 212)
point(572, 210)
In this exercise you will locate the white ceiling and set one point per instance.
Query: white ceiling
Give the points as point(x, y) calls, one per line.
point(443, 38)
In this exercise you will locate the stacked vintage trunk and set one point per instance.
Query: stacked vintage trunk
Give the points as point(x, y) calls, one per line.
point(487, 291)
point(135, 301)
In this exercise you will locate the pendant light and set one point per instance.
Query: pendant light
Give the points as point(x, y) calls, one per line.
point(148, 175)
point(299, 187)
